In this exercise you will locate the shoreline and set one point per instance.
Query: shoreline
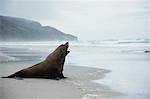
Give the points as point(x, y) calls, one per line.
point(85, 82)
point(78, 85)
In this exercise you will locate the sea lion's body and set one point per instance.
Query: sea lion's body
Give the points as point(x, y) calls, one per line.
point(51, 67)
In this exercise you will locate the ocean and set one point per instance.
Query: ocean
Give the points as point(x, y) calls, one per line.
point(126, 59)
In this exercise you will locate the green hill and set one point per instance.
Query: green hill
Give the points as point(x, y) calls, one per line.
point(19, 29)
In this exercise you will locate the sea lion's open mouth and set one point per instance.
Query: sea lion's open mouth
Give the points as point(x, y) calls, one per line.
point(68, 52)
point(67, 45)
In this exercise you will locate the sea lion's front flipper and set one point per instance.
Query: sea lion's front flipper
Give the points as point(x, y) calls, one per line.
point(62, 76)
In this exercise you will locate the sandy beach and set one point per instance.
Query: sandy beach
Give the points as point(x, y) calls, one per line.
point(78, 85)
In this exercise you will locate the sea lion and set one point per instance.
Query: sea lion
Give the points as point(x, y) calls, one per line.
point(51, 67)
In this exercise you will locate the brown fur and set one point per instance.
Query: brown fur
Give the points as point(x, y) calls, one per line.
point(51, 67)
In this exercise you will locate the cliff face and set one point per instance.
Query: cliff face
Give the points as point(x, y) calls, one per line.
point(18, 29)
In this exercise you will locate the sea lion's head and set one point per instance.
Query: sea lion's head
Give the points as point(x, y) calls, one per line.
point(62, 50)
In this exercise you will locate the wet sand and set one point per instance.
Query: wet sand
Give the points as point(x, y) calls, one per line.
point(78, 85)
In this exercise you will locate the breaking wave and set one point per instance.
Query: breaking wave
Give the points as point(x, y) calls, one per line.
point(6, 58)
point(77, 43)
point(20, 51)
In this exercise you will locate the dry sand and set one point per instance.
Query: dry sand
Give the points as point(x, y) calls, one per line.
point(78, 85)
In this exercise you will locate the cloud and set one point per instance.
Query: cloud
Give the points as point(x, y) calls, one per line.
point(32, 9)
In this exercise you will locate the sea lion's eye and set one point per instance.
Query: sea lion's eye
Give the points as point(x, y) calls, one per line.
point(62, 49)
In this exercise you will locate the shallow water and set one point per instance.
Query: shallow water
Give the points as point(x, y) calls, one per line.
point(129, 64)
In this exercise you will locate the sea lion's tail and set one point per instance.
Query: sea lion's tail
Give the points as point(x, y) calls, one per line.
point(17, 74)
point(7, 77)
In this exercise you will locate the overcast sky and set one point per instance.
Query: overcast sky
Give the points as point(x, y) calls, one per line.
point(87, 19)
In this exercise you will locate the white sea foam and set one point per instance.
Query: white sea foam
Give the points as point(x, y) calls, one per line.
point(80, 43)
point(6, 58)
point(89, 96)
